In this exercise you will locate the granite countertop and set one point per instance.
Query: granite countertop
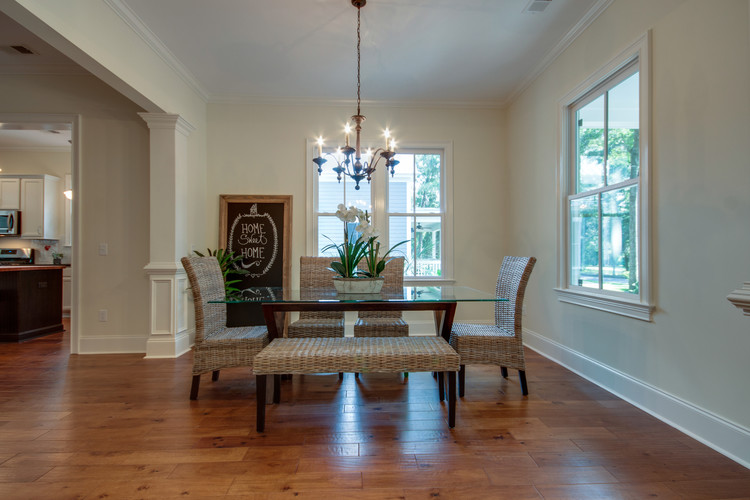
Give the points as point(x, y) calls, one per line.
point(38, 267)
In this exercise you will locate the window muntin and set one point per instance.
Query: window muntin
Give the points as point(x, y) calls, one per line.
point(602, 207)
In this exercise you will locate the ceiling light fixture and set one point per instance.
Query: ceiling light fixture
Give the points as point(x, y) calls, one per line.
point(352, 164)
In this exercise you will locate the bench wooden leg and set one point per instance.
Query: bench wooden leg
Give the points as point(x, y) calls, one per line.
point(461, 380)
point(277, 389)
point(451, 399)
point(441, 385)
point(260, 395)
point(215, 376)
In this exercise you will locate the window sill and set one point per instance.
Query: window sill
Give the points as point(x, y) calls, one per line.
point(607, 303)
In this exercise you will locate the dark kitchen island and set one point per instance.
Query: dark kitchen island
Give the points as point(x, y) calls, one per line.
point(30, 301)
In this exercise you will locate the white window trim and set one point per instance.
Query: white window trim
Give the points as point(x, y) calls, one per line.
point(640, 307)
point(379, 203)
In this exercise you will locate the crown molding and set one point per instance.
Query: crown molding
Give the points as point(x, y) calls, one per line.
point(741, 298)
point(304, 101)
point(594, 12)
point(139, 27)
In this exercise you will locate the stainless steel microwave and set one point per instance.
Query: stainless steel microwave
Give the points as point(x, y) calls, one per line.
point(10, 222)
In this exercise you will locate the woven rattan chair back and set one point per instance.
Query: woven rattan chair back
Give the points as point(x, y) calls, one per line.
point(394, 282)
point(206, 284)
point(511, 283)
point(314, 272)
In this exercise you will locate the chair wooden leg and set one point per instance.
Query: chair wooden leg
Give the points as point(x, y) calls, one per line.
point(441, 386)
point(504, 371)
point(341, 375)
point(461, 380)
point(194, 387)
point(451, 399)
point(524, 386)
point(260, 396)
point(215, 376)
point(356, 374)
point(277, 389)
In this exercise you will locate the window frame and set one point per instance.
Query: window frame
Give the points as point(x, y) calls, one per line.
point(638, 306)
point(446, 196)
point(379, 200)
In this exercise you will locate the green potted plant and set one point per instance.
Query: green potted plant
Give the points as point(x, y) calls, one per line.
point(351, 252)
point(57, 258)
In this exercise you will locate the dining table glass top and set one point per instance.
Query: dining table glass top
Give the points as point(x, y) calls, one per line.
point(407, 294)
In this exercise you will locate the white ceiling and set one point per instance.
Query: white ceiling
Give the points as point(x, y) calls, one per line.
point(466, 52)
point(35, 138)
point(478, 52)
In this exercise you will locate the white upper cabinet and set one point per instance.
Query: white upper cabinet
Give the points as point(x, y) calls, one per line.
point(10, 193)
point(40, 207)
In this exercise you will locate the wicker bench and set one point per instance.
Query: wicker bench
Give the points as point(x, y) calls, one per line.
point(355, 355)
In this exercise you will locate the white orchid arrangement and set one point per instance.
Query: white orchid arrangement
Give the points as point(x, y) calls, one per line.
point(365, 247)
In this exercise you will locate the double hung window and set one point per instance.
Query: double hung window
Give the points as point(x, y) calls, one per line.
point(416, 213)
point(604, 257)
point(412, 206)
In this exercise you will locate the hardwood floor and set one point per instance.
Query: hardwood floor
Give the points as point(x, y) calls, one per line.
point(120, 427)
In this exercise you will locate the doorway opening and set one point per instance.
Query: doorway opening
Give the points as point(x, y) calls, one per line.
point(48, 145)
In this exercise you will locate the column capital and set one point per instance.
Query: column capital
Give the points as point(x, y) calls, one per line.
point(166, 121)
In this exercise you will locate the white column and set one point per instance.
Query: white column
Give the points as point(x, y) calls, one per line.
point(168, 235)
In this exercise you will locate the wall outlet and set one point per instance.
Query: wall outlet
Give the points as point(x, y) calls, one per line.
point(103, 249)
point(103, 315)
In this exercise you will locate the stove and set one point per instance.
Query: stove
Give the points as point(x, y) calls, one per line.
point(16, 256)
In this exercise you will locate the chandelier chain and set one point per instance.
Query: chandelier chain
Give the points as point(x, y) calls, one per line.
point(359, 40)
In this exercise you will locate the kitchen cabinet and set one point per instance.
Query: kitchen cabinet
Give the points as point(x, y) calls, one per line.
point(10, 193)
point(31, 302)
point(40, 207)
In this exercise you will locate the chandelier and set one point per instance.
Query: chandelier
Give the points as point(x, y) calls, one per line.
point(351, 163)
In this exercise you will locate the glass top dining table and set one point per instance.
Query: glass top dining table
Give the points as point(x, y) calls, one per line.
point(441, 299)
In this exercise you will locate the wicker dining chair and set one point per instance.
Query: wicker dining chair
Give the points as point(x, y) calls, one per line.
point(217, 346)
point(502, 343)
point(385, 323)
point(314, 273)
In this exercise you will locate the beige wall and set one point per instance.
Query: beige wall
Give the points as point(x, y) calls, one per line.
point(113, 198)
point(255, 149)
point(696, 347)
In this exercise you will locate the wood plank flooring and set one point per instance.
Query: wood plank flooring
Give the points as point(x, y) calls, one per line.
point(122, 427)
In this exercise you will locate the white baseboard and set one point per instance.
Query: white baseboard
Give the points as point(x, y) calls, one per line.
point(111, 345)
point(724, 436)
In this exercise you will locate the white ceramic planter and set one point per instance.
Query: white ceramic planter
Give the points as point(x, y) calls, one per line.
point(358, 285)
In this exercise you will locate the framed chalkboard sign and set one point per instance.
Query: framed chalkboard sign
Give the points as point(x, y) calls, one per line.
point(258, 229)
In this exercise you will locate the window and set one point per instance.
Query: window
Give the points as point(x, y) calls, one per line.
point(329, 194)
point(412, 205)
point(416, 213)
point(604, 189)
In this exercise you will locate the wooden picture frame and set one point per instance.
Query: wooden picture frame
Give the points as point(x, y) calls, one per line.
point(259, 228)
